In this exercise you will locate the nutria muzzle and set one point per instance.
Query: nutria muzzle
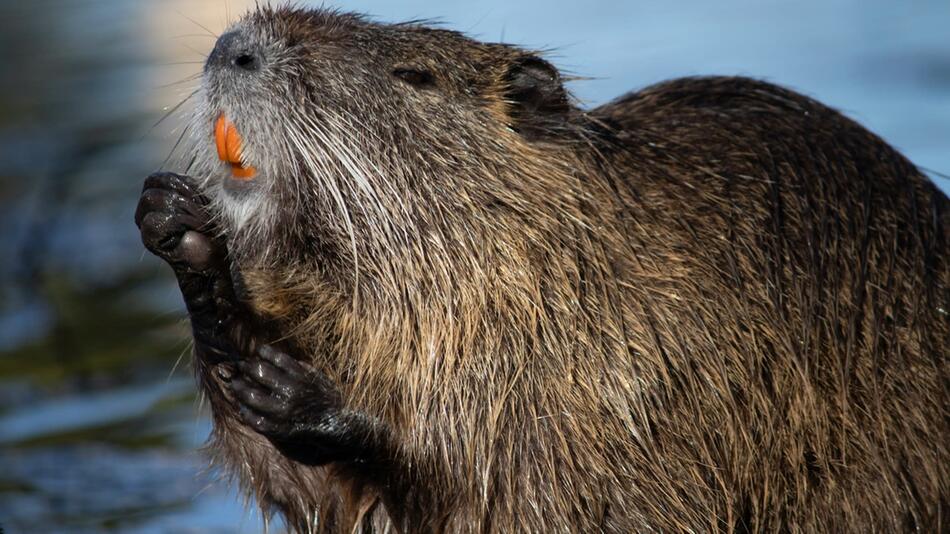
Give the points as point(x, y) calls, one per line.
point(235, 50)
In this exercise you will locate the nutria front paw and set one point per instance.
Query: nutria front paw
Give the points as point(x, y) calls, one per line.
point(299, 410)
point(175, 223)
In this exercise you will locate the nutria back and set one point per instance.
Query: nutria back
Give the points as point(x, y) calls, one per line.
point(801, 342)
point(710, 305)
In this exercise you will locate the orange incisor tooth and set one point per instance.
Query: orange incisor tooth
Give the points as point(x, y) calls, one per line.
point(233, 144)
point(220, 126)
point(228, 142)
point(244, 173)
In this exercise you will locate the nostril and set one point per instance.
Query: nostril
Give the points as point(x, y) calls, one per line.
point(246, 61)
point(235, 51)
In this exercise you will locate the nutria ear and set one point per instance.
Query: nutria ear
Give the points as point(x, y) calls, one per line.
point(535, 95)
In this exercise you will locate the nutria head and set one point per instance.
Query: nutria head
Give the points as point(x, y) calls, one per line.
point(332, 140)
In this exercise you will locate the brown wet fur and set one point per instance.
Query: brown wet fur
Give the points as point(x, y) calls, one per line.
point(710, 305)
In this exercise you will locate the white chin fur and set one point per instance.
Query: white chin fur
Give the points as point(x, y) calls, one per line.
point(243, 212)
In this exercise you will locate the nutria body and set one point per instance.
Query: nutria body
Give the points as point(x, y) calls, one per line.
point(711, 305)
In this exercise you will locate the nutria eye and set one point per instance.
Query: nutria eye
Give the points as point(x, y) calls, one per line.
point(419, 78)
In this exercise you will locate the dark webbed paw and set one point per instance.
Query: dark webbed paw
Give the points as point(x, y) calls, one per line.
point(173, 219)
point(175, 224)
point(299, 410)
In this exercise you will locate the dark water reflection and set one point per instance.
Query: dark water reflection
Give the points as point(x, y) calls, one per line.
point(99, 428)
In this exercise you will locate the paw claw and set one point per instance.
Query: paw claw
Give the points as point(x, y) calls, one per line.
point(225, 373)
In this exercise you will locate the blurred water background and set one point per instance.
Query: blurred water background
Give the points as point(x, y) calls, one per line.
point(99, 427)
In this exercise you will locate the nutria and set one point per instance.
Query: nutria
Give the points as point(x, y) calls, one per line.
point(431, 293)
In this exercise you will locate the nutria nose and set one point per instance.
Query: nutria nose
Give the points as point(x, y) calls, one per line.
point(234, 50)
